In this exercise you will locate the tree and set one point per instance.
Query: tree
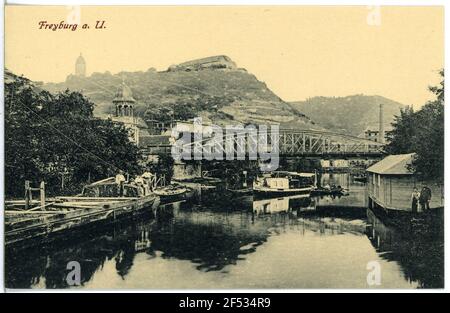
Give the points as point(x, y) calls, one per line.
point(429, 144)
point(57, 139)
point(163, 166)
point(422, 132)
point(402, 136)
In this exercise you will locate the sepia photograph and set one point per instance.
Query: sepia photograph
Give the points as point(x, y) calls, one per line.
point(223, 147)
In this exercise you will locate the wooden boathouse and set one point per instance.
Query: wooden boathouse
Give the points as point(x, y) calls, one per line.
point(390, 184)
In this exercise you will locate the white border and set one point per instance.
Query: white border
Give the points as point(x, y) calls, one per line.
point(231, 2)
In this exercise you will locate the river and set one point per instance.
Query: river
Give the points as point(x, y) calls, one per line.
point(216, 241)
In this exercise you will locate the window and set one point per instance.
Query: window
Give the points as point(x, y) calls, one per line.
point(379, 180)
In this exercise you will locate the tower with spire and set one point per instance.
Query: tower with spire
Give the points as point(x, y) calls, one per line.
point(80, 67)
point(124, 101)
point(124, 110)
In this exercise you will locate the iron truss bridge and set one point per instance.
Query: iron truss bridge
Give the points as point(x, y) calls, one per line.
point(291, 142)
point(324, 143)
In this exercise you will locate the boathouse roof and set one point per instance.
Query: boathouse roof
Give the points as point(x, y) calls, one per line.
point(396, 164)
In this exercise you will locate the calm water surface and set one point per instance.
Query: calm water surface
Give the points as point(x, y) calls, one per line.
point(216, 241)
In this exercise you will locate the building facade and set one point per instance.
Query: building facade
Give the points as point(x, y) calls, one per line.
point(371, 135)
point(390, 184)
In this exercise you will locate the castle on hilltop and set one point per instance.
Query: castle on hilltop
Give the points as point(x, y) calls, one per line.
point(214, 62)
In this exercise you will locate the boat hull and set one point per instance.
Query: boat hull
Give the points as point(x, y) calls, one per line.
point(172, 198)
point(265, 192)
point(323, 192)
point(174, 195)
point(240, 192)
point(75, 212)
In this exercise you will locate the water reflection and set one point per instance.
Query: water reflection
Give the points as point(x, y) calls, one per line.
point(283, 204)
point(419, 252)
point(45, 266)
point(213, 241)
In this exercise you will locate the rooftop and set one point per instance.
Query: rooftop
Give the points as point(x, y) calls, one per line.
point(124, 94)
point(393, 165)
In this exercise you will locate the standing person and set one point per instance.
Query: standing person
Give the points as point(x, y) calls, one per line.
point(140, 183)
point(120, 180)
point(425, 197)
point(147, 176)
point(415, 200)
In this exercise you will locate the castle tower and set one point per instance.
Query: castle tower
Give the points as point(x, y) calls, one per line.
point(80, 67)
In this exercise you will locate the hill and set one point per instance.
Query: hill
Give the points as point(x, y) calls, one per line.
point(213, 88)
point(350, 114)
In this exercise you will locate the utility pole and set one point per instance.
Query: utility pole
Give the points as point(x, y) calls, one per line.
point(381, 129)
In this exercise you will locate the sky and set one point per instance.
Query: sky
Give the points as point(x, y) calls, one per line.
point(298, 51)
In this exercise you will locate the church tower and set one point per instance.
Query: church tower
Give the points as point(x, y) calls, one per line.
point(124, 111)
point(80, 67)
point(124, 101)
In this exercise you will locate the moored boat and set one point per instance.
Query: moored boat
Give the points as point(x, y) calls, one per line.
point(98, 202)
point(171, 192)
point(240, 192)
point(327, 190)
point(281, 183)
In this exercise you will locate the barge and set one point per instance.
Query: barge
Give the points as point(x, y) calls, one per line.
point(98, 202)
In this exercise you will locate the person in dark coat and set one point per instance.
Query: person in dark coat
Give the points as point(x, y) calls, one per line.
point(424, 199)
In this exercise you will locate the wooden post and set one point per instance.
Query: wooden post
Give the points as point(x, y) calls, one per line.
point(27, 194)
point(151, 182)
point(42, 192)
point(121, 189)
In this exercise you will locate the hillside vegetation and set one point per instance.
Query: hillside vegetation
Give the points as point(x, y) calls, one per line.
point(351, 114)
point(221, 96)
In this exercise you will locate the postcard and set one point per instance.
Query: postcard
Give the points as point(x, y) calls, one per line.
point(224, 147)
